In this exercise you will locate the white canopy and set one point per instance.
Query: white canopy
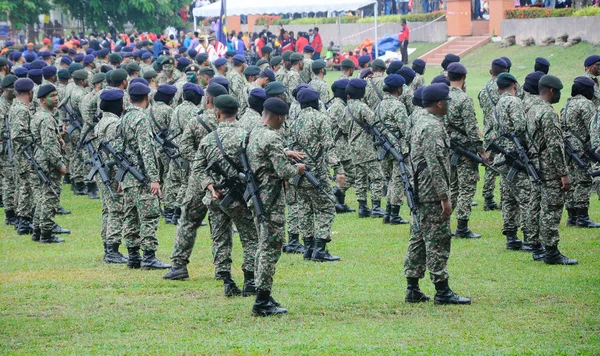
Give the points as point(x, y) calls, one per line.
point(261, 7)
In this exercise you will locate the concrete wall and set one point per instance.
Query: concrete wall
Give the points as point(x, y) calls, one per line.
point(585, 27)
point(354, 33)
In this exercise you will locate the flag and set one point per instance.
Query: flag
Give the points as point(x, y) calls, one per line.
point(221, 36)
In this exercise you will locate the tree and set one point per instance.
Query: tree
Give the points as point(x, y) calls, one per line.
point(24, 13)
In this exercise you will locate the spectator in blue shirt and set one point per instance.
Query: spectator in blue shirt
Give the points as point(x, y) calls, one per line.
point(239, 44)
point(30, 50)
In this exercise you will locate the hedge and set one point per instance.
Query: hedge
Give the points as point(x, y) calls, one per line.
point(535, 13)
point(352, 19)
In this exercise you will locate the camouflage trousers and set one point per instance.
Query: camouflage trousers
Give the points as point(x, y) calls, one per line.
point(173, 183)
point(316, 211)
point(112, 212)
point(463, 184)
point(46, 203)
point(350, 174)
point(515, 197)
point(141, 211)
point(26, 178)
point(193, 211)
point(293, 209)
point(578, 197)
point(271, 235)
point(429, 247)
point(221, 232)
point(369, 176)
point(77, 167)
point(8, 184)
point(545, 213)
point(489, 181)
point(395, 191)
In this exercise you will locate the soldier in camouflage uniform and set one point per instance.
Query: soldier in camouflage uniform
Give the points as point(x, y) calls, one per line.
point(48, 153)
point(547, 145)
point(253, 115)
point(530, 90)
point(285, 66)
point(348, 67)
point(270, 164)
point(430, 240)
point(251, 74)
point(374, 92)
point(306, 74)
point(9, 191)
point(461, 125)
point(592, 71)
point(312, 136)
point(141, 208)
point(418, 65)
point(221, 148)
point(237, 81)
point(575, 119)
point(292, 78)
point(488, 98)
point(317, 83)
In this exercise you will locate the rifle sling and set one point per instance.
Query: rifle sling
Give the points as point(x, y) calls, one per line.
point(225, 155)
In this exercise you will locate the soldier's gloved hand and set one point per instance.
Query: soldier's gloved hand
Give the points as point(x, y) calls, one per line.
point(446, 208)
point(341, 179)
point(155, 189)
point(565, 183)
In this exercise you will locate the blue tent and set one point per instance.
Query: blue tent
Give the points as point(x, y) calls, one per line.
point(386, 43)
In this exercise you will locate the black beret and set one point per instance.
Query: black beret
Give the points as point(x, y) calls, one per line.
point(219, 62)
point(8, 80)
point(37, 64)
point(183, 61)
point(45, 90)
point(201, 57)
point(378, 64)
point(105, 68)
point(24, 85)
point(276, 106)
point(500, 63)
point(533, 78)
point(275, 88)
point(63, 73)
point(436, 92)
point(167, 89)
point(111, 95)
point(78, 57)
point(275, 61)
point(182, 50)
point(252, 70)
point(346, 63)
point(341, 83)
point(193, 87)
point(267, 73)
point(239, 59)
point(505, 78)
point(79, 74)
point(308, 49)
point(215, 89)
point(419, 93)
point(365, 58)
point(17, 55)
point(226, 102)
point(88, 59)
point(394, 80)
point(591, 60)
point(457, 68)
point(44, 54)
point(452, 58)
point(550, 81)
point(66, 60)
point(146, 55)
point(258, 93)
point(192, 53)
point(507, 60)
point(138, 89)
point(542, 61)
point(585, 81)
point(98, 77)
point(151, 73)
point(357, 83)
point(365, 73)
point(307, 95)
point(71, 51)
point(118, 75)
point(394, 67)
point(440, 79)
point(138, 80)
point(419, 63)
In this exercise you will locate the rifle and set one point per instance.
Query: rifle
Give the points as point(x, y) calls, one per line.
point(461, 151)
point(124, 164)
point(97, 165)
point(234, 184)
point(38, 169)
point(570, 151)
point(73, 119)
point(312, 180)
point(8, 145)
point(252, 191)
point(170, 148)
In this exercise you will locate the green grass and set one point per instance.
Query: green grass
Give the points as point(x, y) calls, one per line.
point(63, 299)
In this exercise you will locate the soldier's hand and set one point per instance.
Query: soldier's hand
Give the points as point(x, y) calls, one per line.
point(486, 157)
point(155, 189)
point(446, 208)
point(301, 168)
point(216, 194)
point(341, 179)
point(119, 188)
point(294, 155)
point(62, 171)
point(566, 183)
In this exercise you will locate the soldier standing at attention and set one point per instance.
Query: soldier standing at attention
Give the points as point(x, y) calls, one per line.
point(348, 68)
point(418, 65)
point(306, 75)
point(374, 92)
point(253, 115)
point(461, 125)
point(592, 71)
point(430, 240)
point(318, 83)
point(292, 78)
point(269, 162)
point(9, 189)
point(237, 81)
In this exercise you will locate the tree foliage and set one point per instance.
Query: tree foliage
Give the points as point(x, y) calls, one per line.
point(24, 12)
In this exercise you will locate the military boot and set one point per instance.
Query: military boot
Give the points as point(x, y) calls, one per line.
point(413, 292)
point(249, 286)
point(376, 211)
point(388, 213)
point(134, 259)
point(25, 227)
point(67, 179)
point(320, 254)
point(363, 209)
point(512, 241)
point(538, 252)
point(176, 216)
point(9, 217)
point(79, 188)
point(37, 233)
point(462, 230)
point(395, 218)
point(293, 245)
point(92, 190)
point(112, 255)
point(169, 215)
point(526, 247)
point(264, 306)
point(56, 229)
point(445, 295)
point(177, 273)
point(583, 219)
point(151, 262)
point(62, 211)
point(341, 201)
point(554, 257)
point(46, 237)
point(490, 204)
point(231, 289)
point(571, 217)
point(309, 244)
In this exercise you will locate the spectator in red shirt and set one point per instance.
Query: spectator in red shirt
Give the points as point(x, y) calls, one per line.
point(301, 42)
point(317, 43)
point(353, 57)
point(403, 39)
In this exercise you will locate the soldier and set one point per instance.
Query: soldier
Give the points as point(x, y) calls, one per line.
point(461, 125)
point(251, 74)
point(168, 74)
point(348, 69)
point(44, 130)
point(141, 207)
point(407, 92)
point(363, 61)
point(262, 63)
point(449, 59)
point(374, 93)
point(253, 116)
point(306, 75)
point(89, 66)
point(9, 188)
point(281, 73)
point(318, 83)
point(576, 119)
point(292, 78)
point(530, 90)
point(146, 63)
point(430, 240)
point(275, 64)
point(49, 73)
point(546, 143)
point(592, 71)
point(133, 70)
point(270, 163)
point(367, 169)
point(220, 65)
point(221, 149)
point(237, 81)
point(541, 65)
point(418, 65)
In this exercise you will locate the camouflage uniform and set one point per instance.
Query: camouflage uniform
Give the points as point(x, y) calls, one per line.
point(596, 99)
point(164, 78)
point(340, 137)
point(320, 85)
point(9, 189)
point(232, 138)
point(417, 82)
point(19, 119)
point(429, 246)
point(74, 98)
point(159, 115)
point(374, 92)
point(306, 75)
point(281, 73)
point(461, 125)
point(271, 167)
point(237, 89)
point(488, 98)
point(291, 81)
point(406, 99)
point(250, 119)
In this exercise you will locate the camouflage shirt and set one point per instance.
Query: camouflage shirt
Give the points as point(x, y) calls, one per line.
point(374, 91)
point(576, 117)
point(358, 114)
point(320, 85)
point(291, 81)
point(250, 119)
point(596, 99)
point(195, 131)
point(507, 117)
point(160, 116)
point(336, 114)
point(19, 120)
point(45, 134)
point(460, 122)
point(281, 74)
point(417, 82)
point(88, 108)
point(394, 121)
point(488, 98)
point(180, 117)
point(528, 100)
point(237, 89)
point(406, 98)
point(306, 75)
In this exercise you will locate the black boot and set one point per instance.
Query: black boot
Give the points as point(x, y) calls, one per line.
point(37, 233)
point(538, 252)
point(388, 213)
point(320, 254)
point(62, 211)
point(177, 273)
point(294, 245)
point(46, 237)
point(249, 286)
point(112, 255)
point(571, 217)
point(462, 230)
point(92, 190)
point(526, 247)
point(413, 292)
point(169, 215)
point(151, 262)
point(25, 227)
point(512, 241)
point(176, 216)
point(490, 204)
point(134, 259)
point(79, 188)
point(17, 222)
point(67, 179)
point(583, 219)
point(363, 209)
point(264, 306)
point(309, 244)
point(395, 218)
point(445, 295)
point(341, 201)
point(59, 230)
point(376, 211)
point(554, 257)
point(231, 289)
point(10, 217)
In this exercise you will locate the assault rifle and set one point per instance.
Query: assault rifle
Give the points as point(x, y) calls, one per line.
point(234, 184)
point(38, 169)
point(8, 145)
point(124, 164)
point(170, 148)
point(72, 119)
point(581, 162)
point(312, 180)
point(252, 191)
point(97, 165)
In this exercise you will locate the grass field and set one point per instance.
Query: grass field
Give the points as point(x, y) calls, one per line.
point(63, 299)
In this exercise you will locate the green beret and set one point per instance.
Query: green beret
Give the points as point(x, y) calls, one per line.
point(3, 61)
point(252, 71)
point(115, 58)
point(134, 67)
point(275, 88)
point(8, 80)
point(63, 74)
point(346, 63)
point(318, 64)
point(286, 55)
point(207, 71)
point(378, 64)
point(98, 77)
point(226, 102)
point(151, 73)
point(261, 61)
point(506, 77)
point(275, 61)
point(80, 74)
point(551, 81)
point(74, 66)
point(118, 75)
point(296, 57)
point(167, 60)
